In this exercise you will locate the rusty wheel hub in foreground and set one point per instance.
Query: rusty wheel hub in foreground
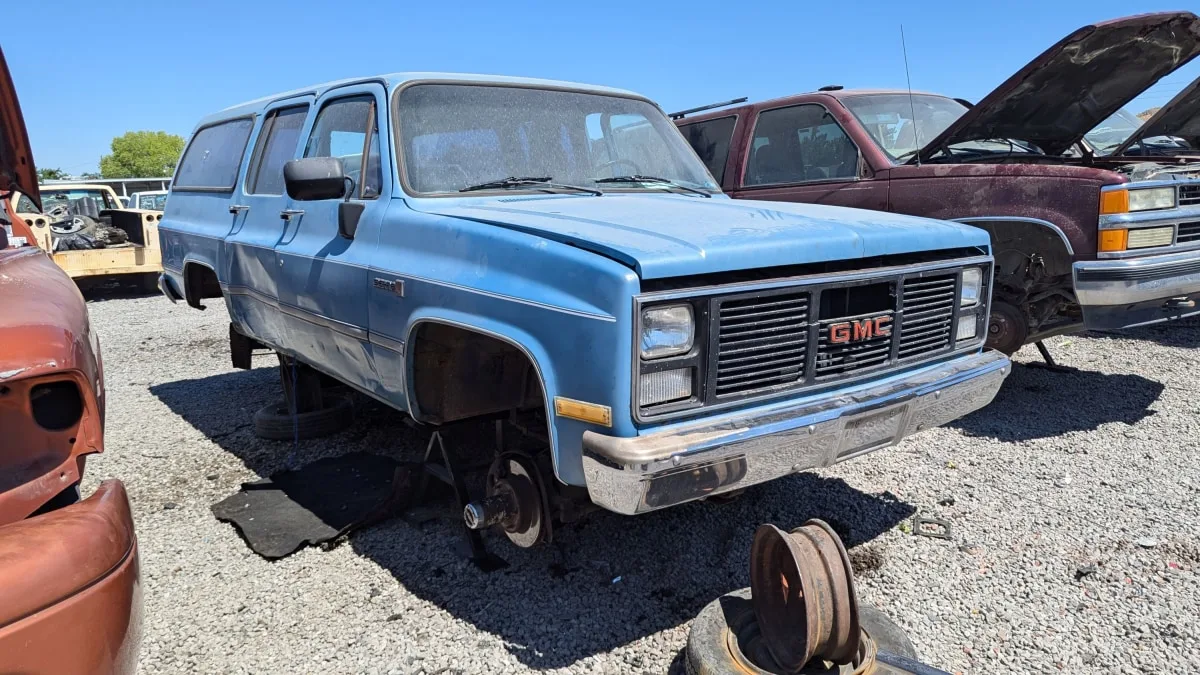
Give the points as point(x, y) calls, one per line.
point(803, 594)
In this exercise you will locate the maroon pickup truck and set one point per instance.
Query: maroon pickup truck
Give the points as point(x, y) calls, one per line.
point(1083, 237)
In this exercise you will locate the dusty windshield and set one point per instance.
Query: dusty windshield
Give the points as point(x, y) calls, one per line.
point(457, 137)
point(889, 119)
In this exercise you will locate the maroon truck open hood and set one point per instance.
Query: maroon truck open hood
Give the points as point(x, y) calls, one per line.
point(16, 161)
point(1179, 117)
point(1076, 84)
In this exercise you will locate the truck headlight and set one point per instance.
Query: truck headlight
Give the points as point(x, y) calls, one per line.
point(667, 331)
point(1153, 198)
point(1123, 200)
point(972, 287)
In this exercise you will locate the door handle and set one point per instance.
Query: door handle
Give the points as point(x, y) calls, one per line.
point(238, 208)
point(288, 214)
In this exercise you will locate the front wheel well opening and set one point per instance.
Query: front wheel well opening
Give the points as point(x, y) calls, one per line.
point(461, 374)
point(199, 282)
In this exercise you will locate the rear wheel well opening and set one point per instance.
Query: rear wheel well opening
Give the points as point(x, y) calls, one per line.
point(199, 282)
point(459, 373)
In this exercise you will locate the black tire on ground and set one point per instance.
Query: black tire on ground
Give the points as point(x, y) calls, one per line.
point(273, 422)
point(707, 651)
point(1007, 329)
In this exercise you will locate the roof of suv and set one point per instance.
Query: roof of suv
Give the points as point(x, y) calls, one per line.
point(394, 80)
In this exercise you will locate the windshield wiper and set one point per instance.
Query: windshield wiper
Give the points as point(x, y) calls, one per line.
point(638, 178)
point(543, 182)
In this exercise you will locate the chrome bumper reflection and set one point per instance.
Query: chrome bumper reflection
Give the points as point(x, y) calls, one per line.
point(1133, 280)
point(656, 470)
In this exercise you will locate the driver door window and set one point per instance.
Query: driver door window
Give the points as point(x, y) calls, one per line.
point(341, 131)
point(800, 144)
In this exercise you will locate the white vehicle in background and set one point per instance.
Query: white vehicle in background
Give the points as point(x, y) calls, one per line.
point(153, 200)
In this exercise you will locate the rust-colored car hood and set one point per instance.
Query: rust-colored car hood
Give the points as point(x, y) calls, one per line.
point(1077, 83)
point(1179, 117)
point(17, 172)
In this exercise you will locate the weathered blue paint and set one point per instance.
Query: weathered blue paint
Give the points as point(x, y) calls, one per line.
point(672, 235)
point(554, 275)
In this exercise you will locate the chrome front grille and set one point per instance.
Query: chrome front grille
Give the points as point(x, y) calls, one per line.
point(1189, 195)
point(928, 312)
point(789, 338)
point(1189, 233)
point(761, 342)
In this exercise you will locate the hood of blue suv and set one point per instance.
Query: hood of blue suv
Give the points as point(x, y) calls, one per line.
point(662, 236)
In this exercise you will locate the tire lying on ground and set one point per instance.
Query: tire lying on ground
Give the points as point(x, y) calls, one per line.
point(727, 624)
point(274, 422)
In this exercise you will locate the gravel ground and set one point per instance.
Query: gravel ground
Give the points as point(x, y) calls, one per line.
point(1073, 499)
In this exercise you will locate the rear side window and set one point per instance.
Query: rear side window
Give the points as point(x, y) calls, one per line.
point(214, 157)
point(800, 144)
point(710, 139)
point(277, 144)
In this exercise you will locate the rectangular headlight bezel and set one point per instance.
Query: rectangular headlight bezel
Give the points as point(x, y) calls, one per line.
point(663, 314)
point(970, 293)
point(1151, 199)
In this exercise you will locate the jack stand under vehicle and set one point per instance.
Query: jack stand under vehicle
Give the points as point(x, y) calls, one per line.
point(447, 471)
point(1050, 363)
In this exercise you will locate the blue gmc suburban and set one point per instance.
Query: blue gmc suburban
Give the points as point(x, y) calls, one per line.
point(464, 246)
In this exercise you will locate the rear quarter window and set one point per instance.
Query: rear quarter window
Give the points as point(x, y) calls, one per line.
point(214, 157)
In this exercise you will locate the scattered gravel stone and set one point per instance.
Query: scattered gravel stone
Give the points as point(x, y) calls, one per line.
point(1147, 542)
point(1063, 480)
point(169, 506)
point(1006, 602)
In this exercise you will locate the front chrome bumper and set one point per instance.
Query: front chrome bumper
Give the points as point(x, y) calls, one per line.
point(1130, 292)
point(737, 450)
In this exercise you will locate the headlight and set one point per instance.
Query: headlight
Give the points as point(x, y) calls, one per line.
point(1154, 198)
point(667, 331)
point(972, 286)
point(1126, 201)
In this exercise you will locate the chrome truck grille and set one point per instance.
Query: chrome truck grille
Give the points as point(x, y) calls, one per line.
point(784, 339)
point(1189, 195)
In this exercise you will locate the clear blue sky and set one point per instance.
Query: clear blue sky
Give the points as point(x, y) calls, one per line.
point(87, 71)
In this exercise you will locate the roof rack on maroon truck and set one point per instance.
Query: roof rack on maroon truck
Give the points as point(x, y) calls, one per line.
point(1081, 240)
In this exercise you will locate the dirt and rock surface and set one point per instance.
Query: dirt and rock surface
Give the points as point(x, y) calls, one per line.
point(1074, 502)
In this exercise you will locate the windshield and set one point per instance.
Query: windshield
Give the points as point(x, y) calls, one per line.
point(889, 119)
point(1113, 131)
point(1122, 124)
point(76, 200)
point(151, 202)
point(459, 136)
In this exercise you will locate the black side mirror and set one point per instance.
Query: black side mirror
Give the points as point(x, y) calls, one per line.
point(315, 178)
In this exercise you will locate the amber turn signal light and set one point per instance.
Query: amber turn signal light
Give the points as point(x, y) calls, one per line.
point(1114, 201)
point(1113, 240)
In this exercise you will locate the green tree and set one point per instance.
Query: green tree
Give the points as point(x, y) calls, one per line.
point(142, 154)
point(51, 174)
